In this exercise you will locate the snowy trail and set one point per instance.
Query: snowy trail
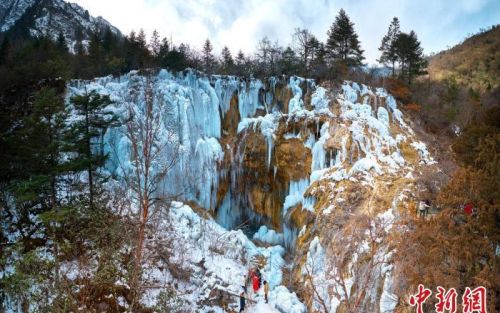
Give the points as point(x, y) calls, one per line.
point(262, 307)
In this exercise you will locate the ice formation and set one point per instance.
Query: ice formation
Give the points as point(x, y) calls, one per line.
point(356, 142)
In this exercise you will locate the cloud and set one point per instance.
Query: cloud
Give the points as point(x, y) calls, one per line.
point(240, 24)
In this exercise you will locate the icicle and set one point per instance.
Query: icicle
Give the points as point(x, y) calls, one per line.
point(208, 152)
point(318, 156)
point(295, 194)
point(296, 103)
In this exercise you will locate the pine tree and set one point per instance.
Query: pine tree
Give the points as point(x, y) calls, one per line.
point(388, 45)
point(342, 43)
point(227, 60)
point(141, 39)
point(208, 58)
point(174, 58)
point(96, 53)
point(35, 157)
point(154, 44)
point(240, 63)
point(410, 55)
point(240, 58)
point(288, 62)
point(79, 48)
point(61, 42)
point(87, 135)
point(137, 54)
point(319, 67)
point(315, 48)
point(164, 47)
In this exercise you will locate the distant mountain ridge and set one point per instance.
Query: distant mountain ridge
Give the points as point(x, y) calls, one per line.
point(51, 18)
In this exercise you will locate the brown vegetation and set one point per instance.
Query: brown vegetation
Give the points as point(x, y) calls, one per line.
point(474, 63)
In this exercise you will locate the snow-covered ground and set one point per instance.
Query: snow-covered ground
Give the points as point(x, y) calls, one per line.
point(226, 256)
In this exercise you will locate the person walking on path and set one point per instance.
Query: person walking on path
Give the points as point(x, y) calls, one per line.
point(255, 284)
point(266, 291)
point(242, 301)
point(244, 283)
point(422, 207)
point(427, 207)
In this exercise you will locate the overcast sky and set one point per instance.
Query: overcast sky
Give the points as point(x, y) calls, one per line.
point(240, 24)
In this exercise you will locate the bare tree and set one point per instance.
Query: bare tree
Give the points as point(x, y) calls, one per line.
point(305, 44)
point(315, 284)
point(364, 237)
point(268, 54)
point(153, 152)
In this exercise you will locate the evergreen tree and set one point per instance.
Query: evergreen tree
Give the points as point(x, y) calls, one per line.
point(240, 63)
point(388, 45)
point(34, 157)
point(171, 57)
point(79, 48)
point(154, 44)
point(61, 42)
point(31, 61)
point(164, 47)
point(342, 43)
point(288, 62)
point(109, 41)
point(240, 58)
point(315, 47)
point(208, 58)
point(137, 54)
point(227, 61)
point(87, 135)
point(410, 55)
point(319, 68)
point(141, 39)
point(175, 59)
point(96, 54)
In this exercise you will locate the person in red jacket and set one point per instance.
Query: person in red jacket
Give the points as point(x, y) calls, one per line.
point(255, 283)
point(468, 209)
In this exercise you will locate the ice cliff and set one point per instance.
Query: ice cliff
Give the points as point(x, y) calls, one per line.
point(280, 157)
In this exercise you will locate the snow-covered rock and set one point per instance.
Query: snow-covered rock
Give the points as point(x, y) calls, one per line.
point(226, 257)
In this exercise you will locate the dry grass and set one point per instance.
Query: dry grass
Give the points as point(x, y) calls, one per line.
point(408, 152)
point(474, 63)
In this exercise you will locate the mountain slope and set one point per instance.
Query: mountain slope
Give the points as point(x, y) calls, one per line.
point(51, 18)
point(474, 63)
point(11, 11)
